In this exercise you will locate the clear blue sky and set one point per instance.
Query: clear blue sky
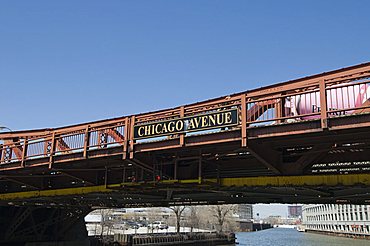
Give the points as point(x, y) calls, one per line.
point(66, 62)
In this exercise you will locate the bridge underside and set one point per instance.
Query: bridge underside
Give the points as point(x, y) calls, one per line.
point(286, 163)
point(289, 189)
point(35, 224)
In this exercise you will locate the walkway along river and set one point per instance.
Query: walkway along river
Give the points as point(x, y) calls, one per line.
point(291, 237)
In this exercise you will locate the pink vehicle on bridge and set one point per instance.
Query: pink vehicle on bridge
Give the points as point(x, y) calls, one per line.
point(341, 100)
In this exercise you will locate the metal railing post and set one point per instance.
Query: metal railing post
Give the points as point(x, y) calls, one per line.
point(132, 133)
point(279, 109)
point(52, 150)
point(323, 105)
point(24, 153)
point(243, 108)
point(86, 141)
point(126, 138)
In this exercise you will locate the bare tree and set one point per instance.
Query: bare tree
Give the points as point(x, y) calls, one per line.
point(220, 213)
point(105, 222)
point(194, 219)
point(178, 210)
point(206, 219)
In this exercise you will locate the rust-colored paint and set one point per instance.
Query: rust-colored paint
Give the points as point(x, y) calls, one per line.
point(253, 104)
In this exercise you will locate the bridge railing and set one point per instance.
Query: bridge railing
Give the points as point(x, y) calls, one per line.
point(318, 98)
point(280, 109)
point(284, 107)
point(37, 148)
point(106, 137)
point(69, 143)
point(339, 99)
point(56, 144)
point(348, 98)
point(11, 152)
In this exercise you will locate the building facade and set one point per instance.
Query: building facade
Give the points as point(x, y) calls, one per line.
point(295, 211)
point(337, 218)
point(245, 212)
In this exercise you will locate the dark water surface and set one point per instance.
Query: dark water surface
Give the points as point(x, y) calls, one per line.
point(290, 237)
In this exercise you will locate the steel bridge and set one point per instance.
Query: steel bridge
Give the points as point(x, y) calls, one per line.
point(301, 141)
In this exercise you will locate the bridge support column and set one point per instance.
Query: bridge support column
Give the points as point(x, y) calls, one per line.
point(37, 224)
point(175, 169)
point(200, 169)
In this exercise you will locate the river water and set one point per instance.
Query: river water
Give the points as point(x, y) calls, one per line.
point(291, 237)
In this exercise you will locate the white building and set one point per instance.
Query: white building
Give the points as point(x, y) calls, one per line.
point(245, 212)
point(337, 218)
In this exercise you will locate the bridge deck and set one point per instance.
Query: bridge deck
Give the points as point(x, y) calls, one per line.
point(314, 128)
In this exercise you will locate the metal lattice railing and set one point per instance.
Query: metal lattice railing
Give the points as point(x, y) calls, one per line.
point(329, 96)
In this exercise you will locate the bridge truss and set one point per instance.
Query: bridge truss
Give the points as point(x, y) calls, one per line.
point(302, 141)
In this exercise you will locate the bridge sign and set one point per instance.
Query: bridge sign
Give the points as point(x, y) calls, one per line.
point(216, 119)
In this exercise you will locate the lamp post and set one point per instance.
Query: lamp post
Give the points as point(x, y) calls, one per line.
point(2, 128)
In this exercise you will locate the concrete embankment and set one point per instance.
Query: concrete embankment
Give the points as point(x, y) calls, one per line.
point(342, 234)
point(196, 239)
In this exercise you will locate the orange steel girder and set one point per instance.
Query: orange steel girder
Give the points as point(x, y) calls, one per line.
point(264, 98)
